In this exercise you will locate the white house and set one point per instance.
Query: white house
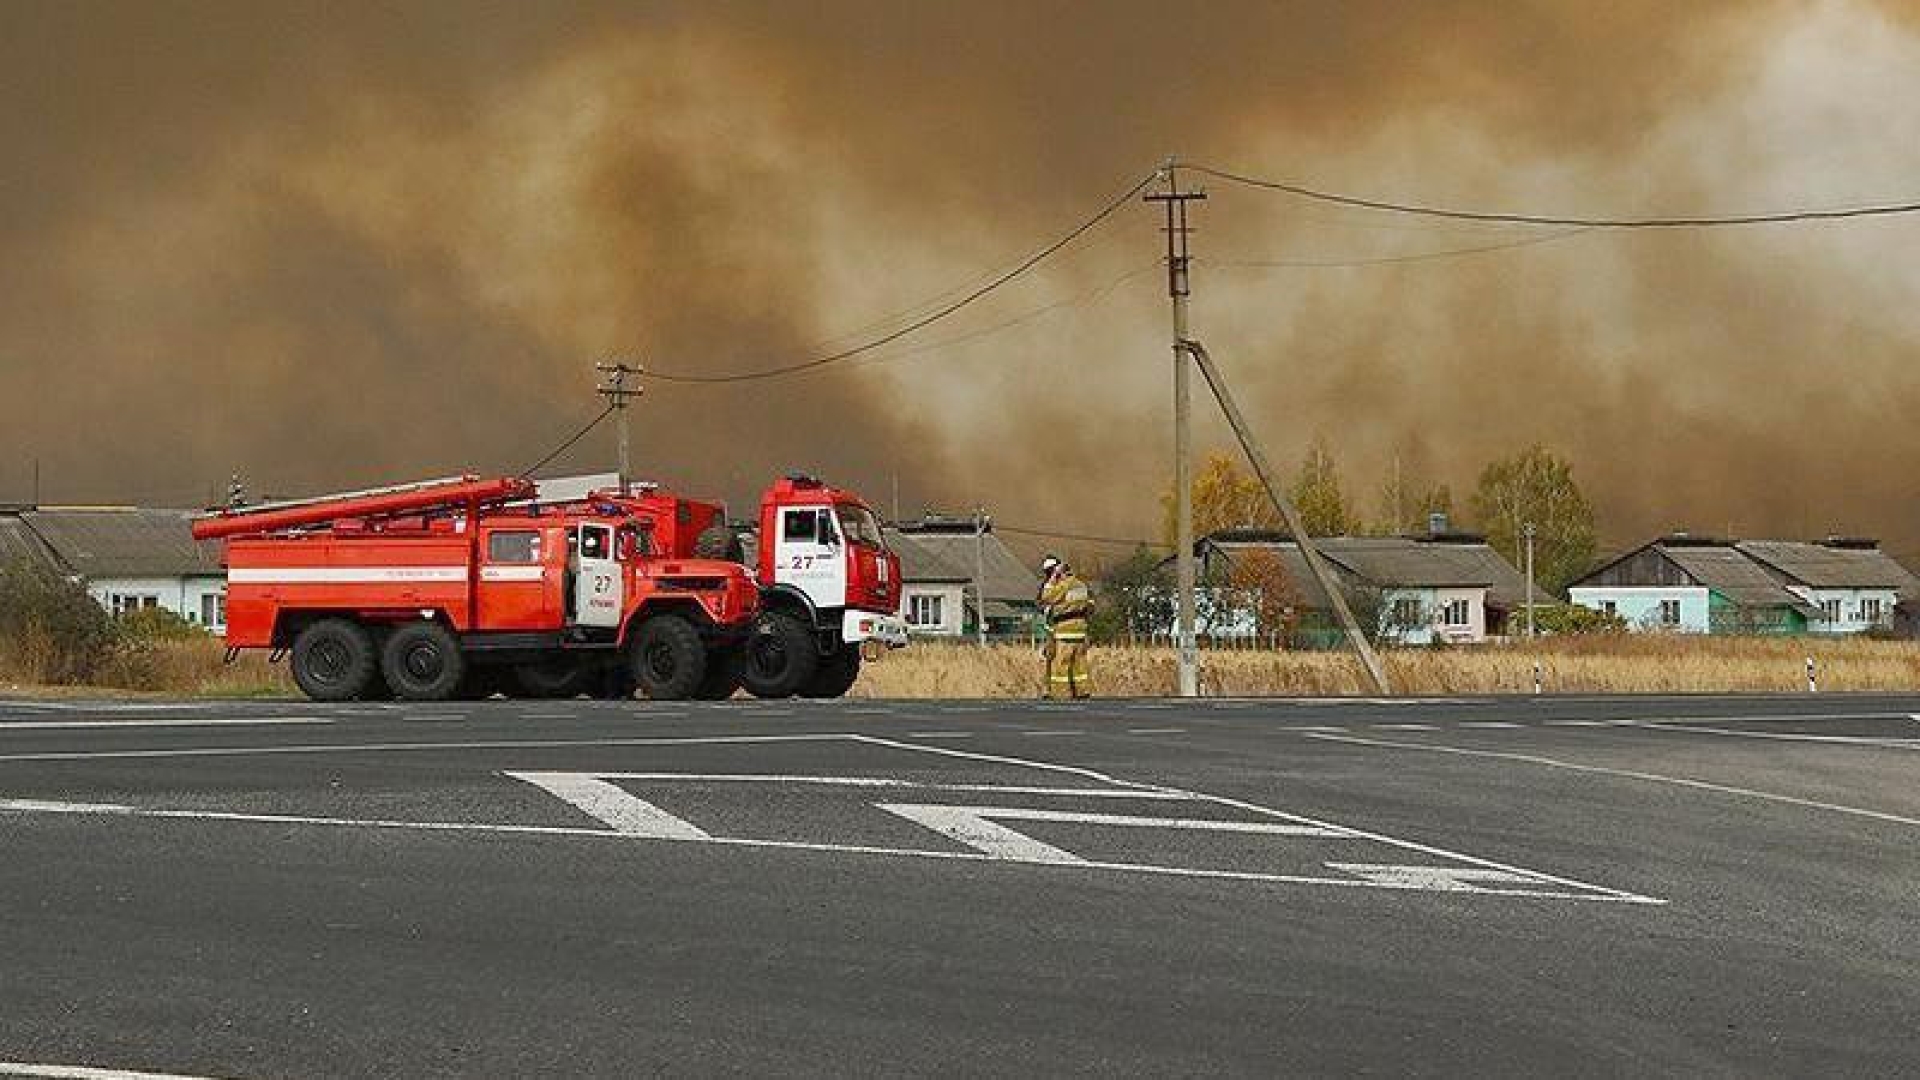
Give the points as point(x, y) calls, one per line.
point(1854, 584)
point(128, 558)
point(939, 560)
point(1693, 585)
point(1441, 587)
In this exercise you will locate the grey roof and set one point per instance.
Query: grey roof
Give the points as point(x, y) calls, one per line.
point(1399, 562)
point(1820, 566)
point(931, 556)
point(124, 542)
point(17, 542)
point(1725, 570)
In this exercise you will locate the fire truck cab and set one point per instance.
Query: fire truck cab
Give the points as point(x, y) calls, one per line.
point(465, 587)
point(829, 588)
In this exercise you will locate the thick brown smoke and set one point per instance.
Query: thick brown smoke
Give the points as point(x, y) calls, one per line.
point(341, 245)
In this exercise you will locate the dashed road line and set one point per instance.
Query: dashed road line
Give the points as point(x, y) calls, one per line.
point(1406, 727)
point(1042, 732)
point(1156, 731)
point(941, 734)
point(1488, 724)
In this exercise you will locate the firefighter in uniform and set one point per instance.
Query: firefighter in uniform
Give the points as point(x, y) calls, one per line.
point(1067, 602)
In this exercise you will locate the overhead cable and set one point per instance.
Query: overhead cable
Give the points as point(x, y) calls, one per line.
point(568, 445)
point(924, 321)
point(1777, 217)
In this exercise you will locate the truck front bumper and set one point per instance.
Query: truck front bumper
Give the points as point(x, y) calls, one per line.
point(858, 627)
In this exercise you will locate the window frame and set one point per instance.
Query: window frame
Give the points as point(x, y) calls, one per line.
point(533, 547)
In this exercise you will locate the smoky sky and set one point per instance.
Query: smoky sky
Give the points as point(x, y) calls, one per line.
point(344, 244)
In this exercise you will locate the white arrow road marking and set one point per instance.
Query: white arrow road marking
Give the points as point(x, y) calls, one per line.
point(975, 827)
point(83, 1072)
point(966, 825)
point(614, 805)
point(1438, 878)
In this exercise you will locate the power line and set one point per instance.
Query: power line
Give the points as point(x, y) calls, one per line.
point(926, 320)
point(1053, 534)
point(1769, 218)
point(1420, 256)
point(568, 445)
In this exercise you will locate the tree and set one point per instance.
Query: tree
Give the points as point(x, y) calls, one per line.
point(1260, 582)
point(1134, 597)
point(1317, 495)
point(1223, 498)
point(1534, 486)
point(1407, 503)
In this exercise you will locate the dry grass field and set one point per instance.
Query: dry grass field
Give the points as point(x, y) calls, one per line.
point(1601, 664)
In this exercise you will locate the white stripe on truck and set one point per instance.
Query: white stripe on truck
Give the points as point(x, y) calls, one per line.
point(342, 575)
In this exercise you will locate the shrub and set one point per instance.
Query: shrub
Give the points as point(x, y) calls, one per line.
point(1571, 619)
point(51, 631)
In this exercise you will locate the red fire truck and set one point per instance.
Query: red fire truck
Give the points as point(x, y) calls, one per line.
point(829, 586)
point(467, 586)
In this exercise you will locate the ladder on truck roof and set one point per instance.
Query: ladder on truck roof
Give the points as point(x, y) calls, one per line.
point(284, 514)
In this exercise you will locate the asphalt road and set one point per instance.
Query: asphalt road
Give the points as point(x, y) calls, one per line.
point(1707, 886)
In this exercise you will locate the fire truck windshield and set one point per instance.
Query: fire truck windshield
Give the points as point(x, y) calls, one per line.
point(859, 526)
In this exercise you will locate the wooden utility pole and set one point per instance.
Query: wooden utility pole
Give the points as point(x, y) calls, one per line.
point(1175, 202)
point(613, 387)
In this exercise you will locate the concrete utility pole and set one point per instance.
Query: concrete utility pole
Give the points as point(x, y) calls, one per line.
point(1316, 564)
point(979, 576)
point(613, 387)
point(1528, 530)
point(1175, 201)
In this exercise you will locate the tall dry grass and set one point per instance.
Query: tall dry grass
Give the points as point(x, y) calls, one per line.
point(190, 667)
point(1610, 664)
point(1598, 664)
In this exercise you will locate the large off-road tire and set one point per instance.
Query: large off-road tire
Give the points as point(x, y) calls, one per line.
point(718, 542)
point(781, 656)
point(333, 660)
point(725, 666)
point(667, 659)
point(422, 662)
point(835, 675)
point(558, 676)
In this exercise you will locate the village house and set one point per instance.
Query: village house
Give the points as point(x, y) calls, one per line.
point(129, 559)
point(940, 559)
point(1442, 587)
point(1856, 586)
point(1695, 585)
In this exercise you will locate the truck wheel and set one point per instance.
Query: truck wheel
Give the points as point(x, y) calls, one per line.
point(835, 675)
point(553, 677)
point(668, 660)
point(781, 656)
point(724, 668)
point(333, 660)
point(422, 662)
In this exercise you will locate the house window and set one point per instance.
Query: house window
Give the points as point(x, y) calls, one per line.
point(1456, 613)
point(1406, 612)
point(213, 609)
point(1669, 613)
point(926, 610)
point(1610, 609)
point(515, 546)
point(1870, 609)
point(1830, 609)
point(128, 603)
